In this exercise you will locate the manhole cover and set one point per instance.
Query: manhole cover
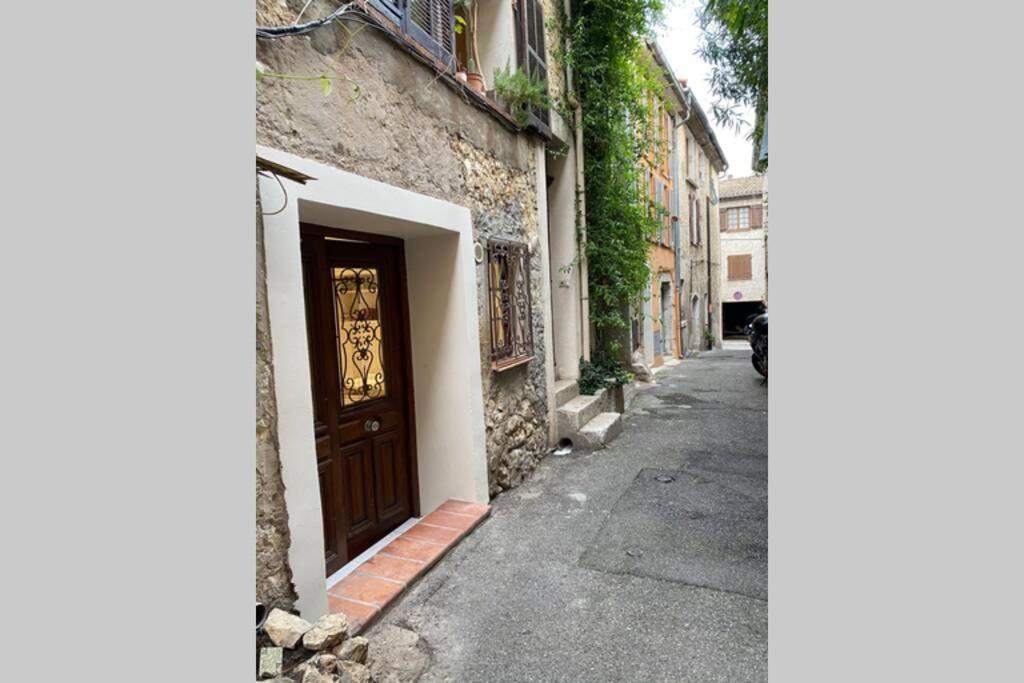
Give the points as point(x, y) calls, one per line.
point(665, 479)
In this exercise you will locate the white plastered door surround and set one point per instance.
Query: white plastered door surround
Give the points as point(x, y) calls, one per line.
point(445, 343)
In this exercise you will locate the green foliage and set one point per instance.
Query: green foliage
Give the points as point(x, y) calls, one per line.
point(522, 92)
point(709, 338)
point(735, 45)
point(601, 373)
point(613, 79)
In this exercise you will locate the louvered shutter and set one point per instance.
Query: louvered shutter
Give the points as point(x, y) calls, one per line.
point(697, 207)
point(755, 216)
point(693, 221)
point(739, 267)
point(530, 44)
point(431, 23)
point(723, 220)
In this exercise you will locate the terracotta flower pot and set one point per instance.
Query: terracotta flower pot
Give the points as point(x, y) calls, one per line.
point(475, 82)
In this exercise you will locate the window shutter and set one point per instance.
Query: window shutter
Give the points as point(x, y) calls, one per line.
point(723, 220)
point(693, 221)
point(739, 267)
point(392, 8)
point(697, 207)
point(755, 216)
point(530, 44)
point(431, 23)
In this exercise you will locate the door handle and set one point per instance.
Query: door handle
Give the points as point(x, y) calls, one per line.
point(372, 425)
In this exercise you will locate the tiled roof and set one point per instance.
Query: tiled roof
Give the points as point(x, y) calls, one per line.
point(740, 187)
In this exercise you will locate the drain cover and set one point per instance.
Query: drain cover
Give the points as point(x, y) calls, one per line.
point(664, 479)
point(635, 552)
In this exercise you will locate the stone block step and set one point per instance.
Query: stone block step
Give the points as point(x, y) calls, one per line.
point(600, 431)
point(565, 391)
point(577, 412)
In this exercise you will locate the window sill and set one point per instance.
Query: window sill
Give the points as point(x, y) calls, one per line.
point(509, 364)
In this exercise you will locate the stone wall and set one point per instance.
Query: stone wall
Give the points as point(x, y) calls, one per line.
point(504, 207)
point(389, 118)
point(273, 573)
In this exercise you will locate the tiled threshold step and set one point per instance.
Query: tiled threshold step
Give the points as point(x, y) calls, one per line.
point(376, 583)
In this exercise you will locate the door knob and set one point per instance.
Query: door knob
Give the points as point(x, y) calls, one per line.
point(372, 425)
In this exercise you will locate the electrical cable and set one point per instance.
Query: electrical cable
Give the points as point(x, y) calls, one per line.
point(283, 191)
point(300, 29)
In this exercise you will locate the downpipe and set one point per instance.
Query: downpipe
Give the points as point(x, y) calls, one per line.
point(581, 203)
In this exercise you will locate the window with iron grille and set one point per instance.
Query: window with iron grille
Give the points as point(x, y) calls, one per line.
point(431, 23)
point(508, 278)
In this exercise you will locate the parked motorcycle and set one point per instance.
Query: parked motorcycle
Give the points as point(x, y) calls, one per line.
point(757, 335)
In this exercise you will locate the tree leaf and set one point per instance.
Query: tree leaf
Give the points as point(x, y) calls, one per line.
point(325, 85)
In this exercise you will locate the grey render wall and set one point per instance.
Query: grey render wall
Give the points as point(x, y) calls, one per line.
point(389, 118)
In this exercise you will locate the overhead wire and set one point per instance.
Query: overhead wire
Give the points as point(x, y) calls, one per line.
point(300, 29)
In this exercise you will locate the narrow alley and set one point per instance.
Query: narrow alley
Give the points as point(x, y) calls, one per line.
point(644, 561)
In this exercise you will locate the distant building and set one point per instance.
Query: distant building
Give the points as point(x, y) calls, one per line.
point(741, 212)
point(680, 312)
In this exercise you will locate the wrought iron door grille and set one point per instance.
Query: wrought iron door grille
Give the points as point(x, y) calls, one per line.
point(508, 273)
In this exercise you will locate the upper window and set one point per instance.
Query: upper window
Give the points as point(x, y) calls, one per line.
point(691, 159)
point(530, 45)
point(738, 218)
point(431, 23)
point(508, 279)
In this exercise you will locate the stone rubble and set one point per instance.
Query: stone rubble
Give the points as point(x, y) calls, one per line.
point(284, 629)
point(353, 649)
point(326, 655)
point(271, 662)
point(328, 631)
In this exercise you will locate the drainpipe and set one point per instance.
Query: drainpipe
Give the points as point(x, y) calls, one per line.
point(707, 219)
point(676, 236)
point(581, 205)
point(680, 181)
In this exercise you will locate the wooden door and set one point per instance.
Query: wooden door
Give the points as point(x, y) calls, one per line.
point(357, 326)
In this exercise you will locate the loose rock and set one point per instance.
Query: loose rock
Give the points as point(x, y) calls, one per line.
point(285, 629)
point(353, 672)
point(328, 631)
point(325, 663)
point(311, 675)
point(353, 649)
point(271, 662)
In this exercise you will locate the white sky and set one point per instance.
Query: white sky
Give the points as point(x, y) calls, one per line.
point(679, 40)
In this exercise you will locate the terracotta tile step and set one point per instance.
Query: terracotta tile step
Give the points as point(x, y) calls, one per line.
point(375, 584)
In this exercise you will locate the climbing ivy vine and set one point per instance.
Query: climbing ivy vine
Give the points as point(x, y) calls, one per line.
point(613, 81)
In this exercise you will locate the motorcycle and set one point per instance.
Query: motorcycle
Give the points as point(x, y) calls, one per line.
point(757, 335)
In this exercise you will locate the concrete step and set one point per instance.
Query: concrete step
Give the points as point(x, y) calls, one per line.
point(565, 391)
point(577, 412)
point(600, 431)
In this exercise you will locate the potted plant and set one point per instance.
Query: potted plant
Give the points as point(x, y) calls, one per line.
point(474, 79)
point(521, 93)
point(467, 23)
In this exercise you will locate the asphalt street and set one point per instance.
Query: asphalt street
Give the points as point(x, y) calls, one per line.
point(645, 561)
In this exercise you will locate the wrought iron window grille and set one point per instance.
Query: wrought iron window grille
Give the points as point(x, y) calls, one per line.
point(509, 303)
